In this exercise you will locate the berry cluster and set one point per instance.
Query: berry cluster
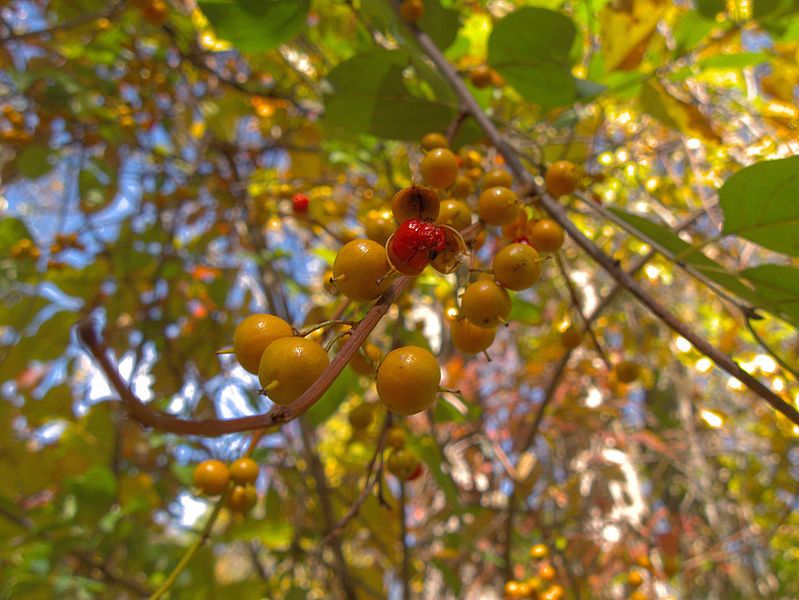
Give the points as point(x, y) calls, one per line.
point(541, 585)
point(213, 477)
point(417, 229)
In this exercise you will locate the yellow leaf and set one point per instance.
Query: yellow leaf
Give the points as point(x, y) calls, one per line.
point(627, 26)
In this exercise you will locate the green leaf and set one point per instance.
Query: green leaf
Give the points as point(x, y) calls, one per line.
point(760, 204)
point(274, 531)
point(370, 96)
point(427, 450)
point(530, 48)
point(734, 61)
point(524, 312)
point(256, 25)
point(34, 161)
point(778, 285)
point(440, 23)
point(345, 384)
point(223, 115)
point(671, 242)
point(55, 404)
point(11, 231)
point(710, 8)
point(96, 487)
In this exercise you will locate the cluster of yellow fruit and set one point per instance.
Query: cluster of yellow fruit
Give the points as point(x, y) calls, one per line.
point(540, 585)
point(288, 364)
point(213, 477)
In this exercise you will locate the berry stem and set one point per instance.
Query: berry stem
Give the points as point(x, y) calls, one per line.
point(336, 338)
point(323, 324)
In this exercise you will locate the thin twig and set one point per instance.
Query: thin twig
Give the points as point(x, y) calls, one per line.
point(190, 551)
point(368, 486)
point(792, 370)
point(406, 552)
point(576, 303)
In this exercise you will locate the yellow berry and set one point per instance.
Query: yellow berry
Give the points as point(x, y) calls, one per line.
point(439, 168)
point(408, 379)
point(360, 270)
point(517, 266)
point(289, 366)
point(498, 206)
point(469, 338)
point(244, 470)
point(212, 477)
point(254, 335)
point(485, 304)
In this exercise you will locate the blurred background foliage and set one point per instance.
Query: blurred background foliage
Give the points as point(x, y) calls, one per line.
point(150, 151)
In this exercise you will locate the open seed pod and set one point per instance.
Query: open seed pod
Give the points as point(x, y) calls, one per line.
point(415, 202)
point(412, 246)
point(447, 260)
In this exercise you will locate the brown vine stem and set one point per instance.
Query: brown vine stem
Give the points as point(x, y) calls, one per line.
point(278, 415)
point(610, 265)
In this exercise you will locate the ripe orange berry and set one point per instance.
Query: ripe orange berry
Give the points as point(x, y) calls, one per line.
point(242, 498)
point(480, 76)
point(627, 371)
point(212, 477)
point(402, 464)
point(379, 226)
point(415, 202)
point(517, 266)
point(511, 589)
point(497, 178)
point(433, 140)
point(498, 206)
point(634, 578)
point(571, 337)
point(407, 380)
point(254, 335)
point(455, 214)
point(472, 159)
point(244, 470)
point(470, 338)
point(485, 304)
point(358, 267)
point(561, 178)
point(412, 10)
point(289, 367)
point(553, 592)
point(439, 168)
point(546, 571)
point(361, 416)
point(546, 235)
point(462, 187)
point(395, 437)
point(539, 551)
